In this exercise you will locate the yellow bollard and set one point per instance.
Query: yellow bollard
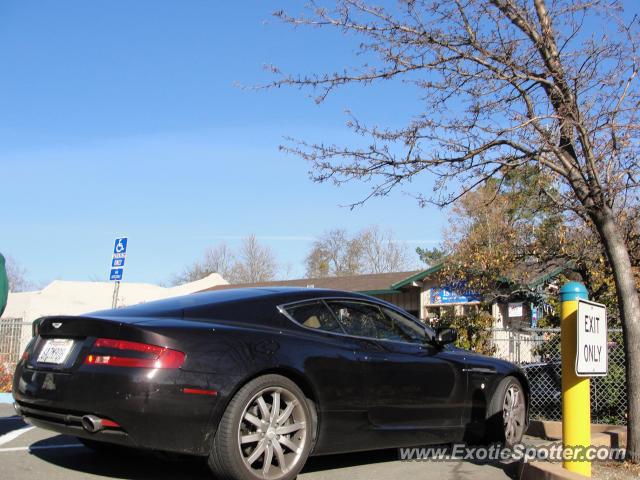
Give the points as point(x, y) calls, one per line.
point(576, 400)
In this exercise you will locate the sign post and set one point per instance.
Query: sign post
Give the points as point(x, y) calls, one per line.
point(583, 337)
point(117, 267)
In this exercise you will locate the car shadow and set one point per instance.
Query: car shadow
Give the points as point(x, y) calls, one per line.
point(133, 464)
point(510, 468)
point(122, 463)
point(9, 424)
point(331, 462)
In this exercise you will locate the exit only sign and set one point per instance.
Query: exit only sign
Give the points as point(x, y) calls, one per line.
point(592, 355)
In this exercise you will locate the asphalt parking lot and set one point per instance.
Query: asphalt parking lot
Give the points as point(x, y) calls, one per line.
point(30, 453)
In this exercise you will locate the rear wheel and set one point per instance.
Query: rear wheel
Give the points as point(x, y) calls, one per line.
point(265, 433)
point(506, 415)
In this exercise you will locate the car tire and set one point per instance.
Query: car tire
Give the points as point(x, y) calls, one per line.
point(255, 441)
point(506, 413)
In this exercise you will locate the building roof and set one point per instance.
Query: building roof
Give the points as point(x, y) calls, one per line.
point(418, 276)
point(372, 283)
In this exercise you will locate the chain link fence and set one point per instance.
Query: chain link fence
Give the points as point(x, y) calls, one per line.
point(537, 351)
point(14, 335)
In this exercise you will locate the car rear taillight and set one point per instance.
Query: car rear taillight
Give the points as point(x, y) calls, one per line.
point(128, 355)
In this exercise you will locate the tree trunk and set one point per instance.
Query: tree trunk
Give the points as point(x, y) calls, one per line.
point(629, 307)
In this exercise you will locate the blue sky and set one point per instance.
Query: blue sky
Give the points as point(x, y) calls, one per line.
point(120, 117)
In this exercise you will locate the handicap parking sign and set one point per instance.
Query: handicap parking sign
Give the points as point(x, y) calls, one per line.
point(117, 262)
point(118, 258)
point(116, 274)
point(120, 246)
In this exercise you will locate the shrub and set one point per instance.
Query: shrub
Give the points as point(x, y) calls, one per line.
point(472, 331)
point(6, 378)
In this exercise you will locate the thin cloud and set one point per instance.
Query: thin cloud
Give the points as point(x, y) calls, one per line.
point(306, 238)
point(420, 241)
point(275, 238)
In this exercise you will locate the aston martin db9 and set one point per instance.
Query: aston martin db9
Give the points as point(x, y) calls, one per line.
point(256, 380)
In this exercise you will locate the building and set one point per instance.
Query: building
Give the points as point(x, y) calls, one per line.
point(422, 294)
point(63, 297)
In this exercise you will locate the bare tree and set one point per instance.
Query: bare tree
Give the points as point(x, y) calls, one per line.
point(218, 259)
point(251, 263)
point(316, 262)
point(381, 252)
point(334, 254)
point(17, 275)
point(372, 250)
point(503, 84)
point(255, 263)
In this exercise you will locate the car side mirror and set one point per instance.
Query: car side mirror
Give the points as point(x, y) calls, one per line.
point(446, 335)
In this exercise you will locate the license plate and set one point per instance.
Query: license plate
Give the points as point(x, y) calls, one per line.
point(55, 351)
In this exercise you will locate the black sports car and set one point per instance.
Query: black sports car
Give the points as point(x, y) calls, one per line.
point(256, 380)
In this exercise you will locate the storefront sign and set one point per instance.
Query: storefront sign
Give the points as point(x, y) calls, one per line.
point(453, 294)
point(515, 310)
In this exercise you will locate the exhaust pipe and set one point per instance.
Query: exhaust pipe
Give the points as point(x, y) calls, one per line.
point(92, 424)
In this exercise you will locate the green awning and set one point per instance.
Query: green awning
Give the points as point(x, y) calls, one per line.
point(418, 276)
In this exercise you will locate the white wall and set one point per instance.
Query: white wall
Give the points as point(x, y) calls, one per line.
point(62, 297)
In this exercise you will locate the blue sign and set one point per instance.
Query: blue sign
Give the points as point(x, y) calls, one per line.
point(120, 246)
point(117, 262)
point(534, 316)
point(118, 258)
point(454, 294)
point(116, 274)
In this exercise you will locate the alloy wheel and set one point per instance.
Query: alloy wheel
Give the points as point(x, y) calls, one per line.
point(272, 432)
point(513, 414)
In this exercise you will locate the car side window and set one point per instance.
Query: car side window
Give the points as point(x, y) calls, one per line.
point(357, 318)
point(408, 330)
point(367, 320)
point(314, 315)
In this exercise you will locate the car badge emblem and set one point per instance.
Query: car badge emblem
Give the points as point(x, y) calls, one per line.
point(56, 324)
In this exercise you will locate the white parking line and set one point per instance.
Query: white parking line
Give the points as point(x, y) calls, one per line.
point(40, 447)
point(7, 437)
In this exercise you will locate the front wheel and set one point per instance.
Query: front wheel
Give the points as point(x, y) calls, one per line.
point(265, 433)
point(507, 413)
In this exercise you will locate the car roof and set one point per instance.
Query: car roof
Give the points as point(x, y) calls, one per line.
point(177, 305)
point(218, 296)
